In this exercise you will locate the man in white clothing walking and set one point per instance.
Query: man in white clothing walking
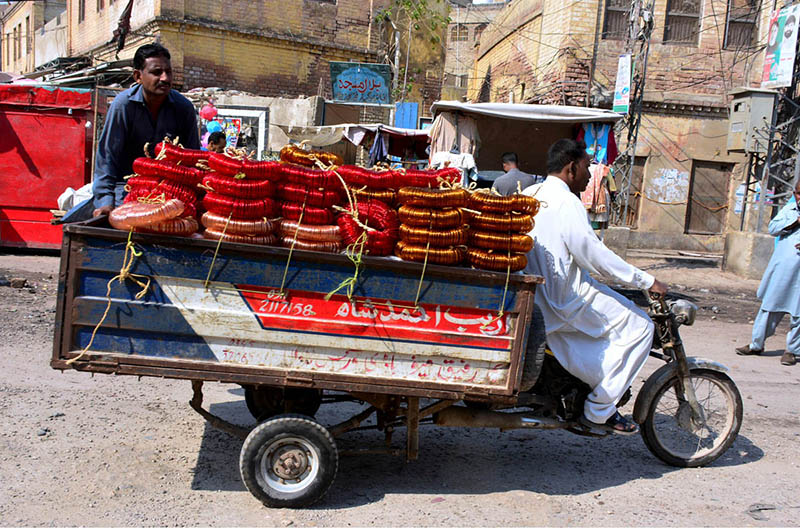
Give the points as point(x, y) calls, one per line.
point(597, 334)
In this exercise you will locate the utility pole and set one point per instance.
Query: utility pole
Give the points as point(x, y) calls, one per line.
point(637, 43)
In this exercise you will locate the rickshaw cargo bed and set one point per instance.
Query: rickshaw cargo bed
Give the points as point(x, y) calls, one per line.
point(225, 318)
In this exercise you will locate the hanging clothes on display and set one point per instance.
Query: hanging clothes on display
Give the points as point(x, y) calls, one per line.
point(451, 132)
point(600, 142)
point(596, 197)
point(379, 151)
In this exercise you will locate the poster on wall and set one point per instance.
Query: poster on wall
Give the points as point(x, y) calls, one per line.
point(622, 89)
point(781, 45)
point(355, 82)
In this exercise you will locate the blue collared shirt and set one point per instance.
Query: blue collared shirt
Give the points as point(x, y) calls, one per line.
point(127, 128)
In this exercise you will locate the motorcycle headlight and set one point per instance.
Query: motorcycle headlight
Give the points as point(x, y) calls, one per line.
point(684, 311)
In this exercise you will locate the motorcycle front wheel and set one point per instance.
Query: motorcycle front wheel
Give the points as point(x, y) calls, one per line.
point(678, 438)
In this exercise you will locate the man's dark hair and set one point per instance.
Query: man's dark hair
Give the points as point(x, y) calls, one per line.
point(147, 51)
point(509, 157)
point(563, 152)
point(214, 137)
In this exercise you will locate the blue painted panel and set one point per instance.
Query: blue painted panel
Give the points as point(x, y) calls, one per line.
point(405, 115)
point(126, 341)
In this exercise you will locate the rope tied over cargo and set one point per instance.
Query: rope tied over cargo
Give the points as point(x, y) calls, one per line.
point(128, 260)
point(216, 251)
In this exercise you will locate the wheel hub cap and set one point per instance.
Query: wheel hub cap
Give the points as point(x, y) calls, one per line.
point(289, 463)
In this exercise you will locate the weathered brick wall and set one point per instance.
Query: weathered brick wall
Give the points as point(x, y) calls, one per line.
point(97, 27)
point(14, 18)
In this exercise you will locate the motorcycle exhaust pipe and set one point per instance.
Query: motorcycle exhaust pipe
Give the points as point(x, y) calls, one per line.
point(461, 416)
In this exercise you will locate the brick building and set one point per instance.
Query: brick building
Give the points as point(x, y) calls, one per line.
point(270, 47)
point(468, 20)
point(549, 51)
point(21, 25)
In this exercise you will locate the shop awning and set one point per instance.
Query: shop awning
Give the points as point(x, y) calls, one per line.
point(525, 112)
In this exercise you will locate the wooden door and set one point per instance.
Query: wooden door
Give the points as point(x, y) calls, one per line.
point(708, 198)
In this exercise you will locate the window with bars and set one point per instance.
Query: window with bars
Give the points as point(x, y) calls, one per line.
point(615, 25)
point(740, 29)
point(683, 21)
point(459, 33)
point(479, 31)
point(81, 10)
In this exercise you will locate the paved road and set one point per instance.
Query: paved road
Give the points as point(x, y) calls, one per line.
point(118, 451)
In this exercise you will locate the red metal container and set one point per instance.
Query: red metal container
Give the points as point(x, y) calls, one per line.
point(45, 146)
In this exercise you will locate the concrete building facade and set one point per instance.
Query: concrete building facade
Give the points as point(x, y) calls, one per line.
point(548, 51)
point(21, 27)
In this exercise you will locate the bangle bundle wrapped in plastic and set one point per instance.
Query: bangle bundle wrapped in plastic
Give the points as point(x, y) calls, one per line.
point(250, 189)
point(433, 218)
point(237, 226)
point(486, 202)
point(437, 238)
point(240, 208)
point(297, 155)
point(442, 256)
point(499, 262)
point(380, 218)
point(139, 214)
point(177, 154)
point(188, 176)
point(264, 240)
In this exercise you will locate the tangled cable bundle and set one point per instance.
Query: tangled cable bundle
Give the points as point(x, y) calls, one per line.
point(499, 262)
point(240, 208)
point(140, 214)
point(381, 221)
point(297, 155)
point(441, 256)
point(318, 197)
point(250, 189)
point(176, 153)
point(433, 218)
point(432, 198)
point(233, 226)
point(486, 202)
point(264, 240)
point(437, 238)
point(189, 176)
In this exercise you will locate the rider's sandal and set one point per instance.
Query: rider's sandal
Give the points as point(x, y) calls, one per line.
point(617, 424)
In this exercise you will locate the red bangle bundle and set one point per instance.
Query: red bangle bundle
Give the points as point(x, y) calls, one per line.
point(240, 208)
point(224, 164)
point(310, 214)
point(427, 178)
point(317, 197)
point(356, 176)
point(176, 153)
point(424, 197)
point(261, 170)
point(378, 216)
point(225, 185)
point(169, 188)
point(310, 177)
point(189, 176)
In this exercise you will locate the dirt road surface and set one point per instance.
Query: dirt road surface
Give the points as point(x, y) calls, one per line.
point(119, 451)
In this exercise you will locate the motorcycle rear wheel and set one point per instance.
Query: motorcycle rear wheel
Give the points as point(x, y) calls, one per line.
point(675, 437)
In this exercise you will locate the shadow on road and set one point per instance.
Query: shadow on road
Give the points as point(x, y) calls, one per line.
point(458, 461)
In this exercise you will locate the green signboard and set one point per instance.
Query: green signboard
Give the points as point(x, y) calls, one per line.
point(355, 82)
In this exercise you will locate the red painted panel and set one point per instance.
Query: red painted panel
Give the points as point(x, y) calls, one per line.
point(30, 234)
point(26, 214)
point(48, 96)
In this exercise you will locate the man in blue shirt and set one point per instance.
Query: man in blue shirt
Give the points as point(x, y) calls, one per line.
point(146, 113)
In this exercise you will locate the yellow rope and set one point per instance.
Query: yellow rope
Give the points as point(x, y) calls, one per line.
point(216, 251)
point(281, 293)
point(128, 261)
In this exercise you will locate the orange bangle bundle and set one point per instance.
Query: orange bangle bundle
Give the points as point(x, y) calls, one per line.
point(433, 218)
point(139, 214)
point(508, 242)
point(264, 240)
point(237, 226)
point(507, 223)
point(437, 238)
point(387, 196)
point(432, 198)
point(498, 262)
point(441, 256)
point(297, 155)
point(486, 202)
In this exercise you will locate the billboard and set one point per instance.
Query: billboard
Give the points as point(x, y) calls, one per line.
point(355, 82)
point(622, 90)
point(781, 43)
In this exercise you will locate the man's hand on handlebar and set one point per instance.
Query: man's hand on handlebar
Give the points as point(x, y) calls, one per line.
point(658, 288)
point(105, 210)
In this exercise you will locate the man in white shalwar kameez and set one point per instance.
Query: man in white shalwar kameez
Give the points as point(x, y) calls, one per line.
point(596, 334)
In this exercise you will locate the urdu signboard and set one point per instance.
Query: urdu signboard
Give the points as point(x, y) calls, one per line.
point(355, 82)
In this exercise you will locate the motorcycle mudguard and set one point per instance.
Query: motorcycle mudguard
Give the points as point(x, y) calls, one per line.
point(660, 376)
